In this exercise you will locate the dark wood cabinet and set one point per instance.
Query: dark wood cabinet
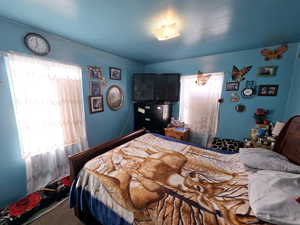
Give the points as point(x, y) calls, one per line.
point(152, 116)
point(156, 87)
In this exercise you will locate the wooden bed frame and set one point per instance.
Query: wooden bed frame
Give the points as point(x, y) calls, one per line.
point(78, 160)
point(288, 144)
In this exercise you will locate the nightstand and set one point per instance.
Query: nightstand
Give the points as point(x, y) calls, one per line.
point(178, 133)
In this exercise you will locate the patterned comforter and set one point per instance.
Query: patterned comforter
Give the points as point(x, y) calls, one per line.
point(152, 181)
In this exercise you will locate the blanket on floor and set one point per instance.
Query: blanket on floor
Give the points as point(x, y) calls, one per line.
point(21, 211)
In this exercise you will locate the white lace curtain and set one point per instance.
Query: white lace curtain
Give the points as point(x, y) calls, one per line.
point(199, 107)
point(48, 106)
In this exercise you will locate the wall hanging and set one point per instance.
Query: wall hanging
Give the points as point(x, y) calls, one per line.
point(220, 100)
point(268, 90)
point(260, 115)
point(240, 108)
point(274, 54)
point(239, 75)
point(95, 73)
point(232, 86)
point(115, 97)
point(37, 44)
point(96, 104)
point(235, 97)
point(267, 71)
point(202, 79)
point(250, 89)
point(115, 73)
point(95, 88)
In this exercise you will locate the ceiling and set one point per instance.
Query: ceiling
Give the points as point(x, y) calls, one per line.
point(123, 27)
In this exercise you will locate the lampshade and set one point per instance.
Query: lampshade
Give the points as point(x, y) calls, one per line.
point(166, 31)
point(278, 127)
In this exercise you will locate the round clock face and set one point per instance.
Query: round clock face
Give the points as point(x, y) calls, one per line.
point(37, 44)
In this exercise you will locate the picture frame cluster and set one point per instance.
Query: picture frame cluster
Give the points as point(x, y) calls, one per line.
point(96, 83)
point(263, 90)
point(95, 89)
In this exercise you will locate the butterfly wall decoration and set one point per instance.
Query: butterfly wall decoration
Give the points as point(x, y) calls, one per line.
point(202, 78)
point(239, 74)
point(274, 54)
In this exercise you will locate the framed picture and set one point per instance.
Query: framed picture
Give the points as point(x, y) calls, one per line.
point(267, 71)
point(115, 97)
point(95, 73)
point(115, 73)
point(268, 90)
point(232, 86)
point(235, 97)
point(95, 88)
point(96, 104)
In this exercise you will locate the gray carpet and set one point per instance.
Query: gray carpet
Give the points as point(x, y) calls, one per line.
point(60, 215)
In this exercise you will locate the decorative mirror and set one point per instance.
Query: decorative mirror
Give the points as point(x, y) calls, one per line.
point(114, 97)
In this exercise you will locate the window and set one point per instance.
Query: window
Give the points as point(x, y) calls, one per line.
point(199, 107)
point(48, 106)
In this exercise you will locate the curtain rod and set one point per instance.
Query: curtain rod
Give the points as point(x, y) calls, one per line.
point(5, 53)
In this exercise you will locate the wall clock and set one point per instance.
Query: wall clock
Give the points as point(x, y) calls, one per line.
point(37, 44)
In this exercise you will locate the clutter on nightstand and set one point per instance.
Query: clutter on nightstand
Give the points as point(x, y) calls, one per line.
point(176, 129)
point(265, 134)
point(175, 123)
point(179, 133)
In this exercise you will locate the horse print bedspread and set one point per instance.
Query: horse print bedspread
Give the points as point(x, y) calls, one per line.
point(152, 181)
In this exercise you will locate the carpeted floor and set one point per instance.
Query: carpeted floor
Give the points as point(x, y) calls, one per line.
point(60, 215)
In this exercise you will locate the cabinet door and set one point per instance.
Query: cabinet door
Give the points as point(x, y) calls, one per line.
point(143, 87)
point(161, 88)
point(172, 86)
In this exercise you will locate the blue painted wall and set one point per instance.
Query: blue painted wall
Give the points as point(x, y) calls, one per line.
point(100, 126)
point(109, 124)
point(233, 124)
point(293, 105)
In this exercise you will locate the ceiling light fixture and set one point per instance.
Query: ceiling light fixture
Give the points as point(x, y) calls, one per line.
point(166, 31)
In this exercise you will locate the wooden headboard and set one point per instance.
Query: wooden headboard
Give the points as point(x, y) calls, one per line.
point(288, 143)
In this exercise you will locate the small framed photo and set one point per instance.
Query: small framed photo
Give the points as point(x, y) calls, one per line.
point(115, 73)
point(232, 86)
point(95, 88)
point(268, 90)
point(96, 104)
point(267, 71)
point(95, 72)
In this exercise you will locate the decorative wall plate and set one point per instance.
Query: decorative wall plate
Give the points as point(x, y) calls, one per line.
point(250, 89)
point(115, 97)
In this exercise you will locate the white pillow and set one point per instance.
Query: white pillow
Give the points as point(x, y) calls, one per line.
point(262, 159)
point(272, 196)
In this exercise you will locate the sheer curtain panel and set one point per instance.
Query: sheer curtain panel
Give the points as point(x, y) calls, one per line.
point(48, 106)
point(199, 107)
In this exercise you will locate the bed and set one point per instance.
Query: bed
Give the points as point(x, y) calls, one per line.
point(148, 179)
